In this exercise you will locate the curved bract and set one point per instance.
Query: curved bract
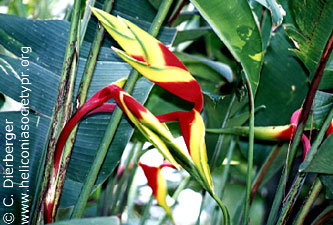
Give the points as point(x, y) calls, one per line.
point(158, 184)
point(146, 122)
point(158, 64)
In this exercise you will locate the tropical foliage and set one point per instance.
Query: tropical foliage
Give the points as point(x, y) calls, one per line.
point(228, 101)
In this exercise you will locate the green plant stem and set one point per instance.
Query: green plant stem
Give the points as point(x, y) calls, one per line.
point(316, 188)
point(249, 155)
point(227, 167)
point(297, 185)
point(114, 122)
point(218, 146)
point(297, 137)
point(285, 174)
point(224, 179)
point(86, 18)
point(160, 17)
point(59, 111)
point(145, 214)
point(92, 59)
point(256, 182)
point(226, 216)
point(70, 142)
point(101, 153)
point(123, 179)
point(291, 198)
point(82, 94)
point(139, 152)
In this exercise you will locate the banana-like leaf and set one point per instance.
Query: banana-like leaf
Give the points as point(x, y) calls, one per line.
point(322, 160)
point(235, 25)
point(313, 26)
point(112, 220)
point(276, 10)
point(283, 83)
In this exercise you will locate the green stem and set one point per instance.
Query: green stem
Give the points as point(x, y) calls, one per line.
point(139, 152)
point(291, 198)
point(249, 155)
point(60, 112)
point(215, 216)
point(285, 174)
point(92, 59)
point(113, 124)
point(256, 183)
point(122, 183)
point(226, 217)
point(145, 214)
point(86, 18)
point(160, 17)
point(219, 143)
point(316, 188)
point(227, 167)
point(85, 82)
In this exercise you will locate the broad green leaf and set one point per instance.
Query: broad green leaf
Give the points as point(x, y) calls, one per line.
point(190, 35)
point(48, 51)
point(312, 29)
point(322, 104)
point(322, 160)
point(235, 25)
point(38, 127)
point(283, 83)
point(327, 80)
point(276, 10)
point(218, 70)
point(327, 180)
point(113, 220)
point(155, 3)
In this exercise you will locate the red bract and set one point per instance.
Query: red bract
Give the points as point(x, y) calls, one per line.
point(137, 113)
point(157, 183)
point(329, 129)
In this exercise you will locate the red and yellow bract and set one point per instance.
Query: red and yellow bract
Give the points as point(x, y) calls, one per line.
point(158, 184)
point(158, 64)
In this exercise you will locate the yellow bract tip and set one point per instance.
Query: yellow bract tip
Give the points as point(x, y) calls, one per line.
point(121, 82)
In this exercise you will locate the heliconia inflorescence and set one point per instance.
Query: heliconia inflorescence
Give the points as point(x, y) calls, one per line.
point(272, 133)
point(158, 64)
point(154, 61)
